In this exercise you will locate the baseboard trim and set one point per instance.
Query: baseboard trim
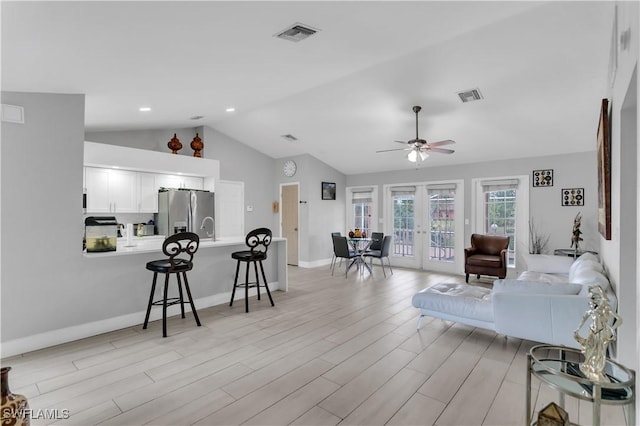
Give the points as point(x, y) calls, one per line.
point(64, 335)
point(314, 264)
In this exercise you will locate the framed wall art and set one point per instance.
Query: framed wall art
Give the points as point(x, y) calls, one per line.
point(328, 190)
point(573, 197)
point(542, 178)
point(604, 172)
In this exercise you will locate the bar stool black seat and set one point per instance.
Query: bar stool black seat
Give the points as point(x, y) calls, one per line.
point(180, 249)
point(258, 242)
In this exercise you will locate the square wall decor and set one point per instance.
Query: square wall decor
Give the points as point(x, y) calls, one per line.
point(542, 178)
point(573, 196)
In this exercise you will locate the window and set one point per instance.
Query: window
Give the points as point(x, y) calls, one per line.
point(499, 218)
point(403, 199)
point(362, 210)
point(442, 200)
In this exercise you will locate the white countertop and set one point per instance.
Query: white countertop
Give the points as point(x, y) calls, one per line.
point(153, 244)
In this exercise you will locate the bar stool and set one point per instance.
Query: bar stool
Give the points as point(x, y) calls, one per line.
point(184, 242)
point(258, 242)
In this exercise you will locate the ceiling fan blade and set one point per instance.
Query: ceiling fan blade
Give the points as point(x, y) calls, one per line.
point(441, 150)
point(404, 142)
point(440, 143)
point(396, 149)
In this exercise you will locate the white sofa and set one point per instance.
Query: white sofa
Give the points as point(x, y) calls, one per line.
point(545, 304)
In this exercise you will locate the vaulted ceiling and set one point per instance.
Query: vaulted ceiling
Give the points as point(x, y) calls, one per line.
point(345, 92)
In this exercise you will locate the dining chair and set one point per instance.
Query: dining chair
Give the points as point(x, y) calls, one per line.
point(376, 241)
point(333, 258)
point(341, 250)
point(381, 254)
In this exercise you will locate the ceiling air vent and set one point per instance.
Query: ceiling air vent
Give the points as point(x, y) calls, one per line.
point(470, 95)
point(290, 137)
point(296, 32)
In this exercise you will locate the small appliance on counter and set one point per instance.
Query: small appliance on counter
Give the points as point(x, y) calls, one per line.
point(100, 233)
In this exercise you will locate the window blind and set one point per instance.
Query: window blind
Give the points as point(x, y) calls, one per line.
point(499, 185)
point(403, 190)
point(362, 195)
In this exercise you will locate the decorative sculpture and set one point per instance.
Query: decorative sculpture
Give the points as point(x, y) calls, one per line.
point(604, 321)
point(174, 144)
point(197, 145)
point(575, 237)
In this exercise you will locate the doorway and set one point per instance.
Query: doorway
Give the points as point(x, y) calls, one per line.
point(426, 221)
point(289, 200)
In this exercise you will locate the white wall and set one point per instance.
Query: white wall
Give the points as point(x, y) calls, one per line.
point(624, 194)
point(41, 220)
point(317, 217)
point(570, 171)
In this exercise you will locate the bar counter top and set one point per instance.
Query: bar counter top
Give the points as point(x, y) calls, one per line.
point(153, 244)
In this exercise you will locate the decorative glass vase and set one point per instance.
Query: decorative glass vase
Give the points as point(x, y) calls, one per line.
point(15, 408)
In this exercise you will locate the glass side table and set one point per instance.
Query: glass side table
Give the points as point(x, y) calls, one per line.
point(558, 368)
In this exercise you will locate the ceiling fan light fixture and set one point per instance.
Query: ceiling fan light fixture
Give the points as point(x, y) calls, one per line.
point(423, 155)
point(412, 156)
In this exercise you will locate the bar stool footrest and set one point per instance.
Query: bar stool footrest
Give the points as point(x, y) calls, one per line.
point(170, 301)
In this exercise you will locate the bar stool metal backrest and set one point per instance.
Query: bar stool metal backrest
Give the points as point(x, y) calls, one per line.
point(258, 242)
point(179, 249)
point(186, 243)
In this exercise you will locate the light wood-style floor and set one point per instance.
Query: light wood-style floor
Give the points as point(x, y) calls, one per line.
point(332, 351)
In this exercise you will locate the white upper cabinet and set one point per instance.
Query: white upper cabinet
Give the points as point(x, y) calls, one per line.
point(179, 182)
point(147, 193)
point(111, 191)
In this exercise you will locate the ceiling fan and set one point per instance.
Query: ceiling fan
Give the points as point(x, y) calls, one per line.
point(420, 148)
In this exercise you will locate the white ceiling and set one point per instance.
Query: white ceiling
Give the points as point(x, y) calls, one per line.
point(345, 92)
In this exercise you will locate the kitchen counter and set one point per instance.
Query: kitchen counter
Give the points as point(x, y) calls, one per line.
point(153, 244)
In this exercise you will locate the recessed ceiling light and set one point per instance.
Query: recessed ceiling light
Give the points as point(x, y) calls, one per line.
point(145, 109)
point(230, 109)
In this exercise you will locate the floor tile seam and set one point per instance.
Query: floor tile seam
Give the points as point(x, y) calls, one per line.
point(134, 368)
point(272, 381)
point(359, 322)
point(279, 376)
point(461, 385)
point(369, 396)
point(192, 383)
point(370, 344)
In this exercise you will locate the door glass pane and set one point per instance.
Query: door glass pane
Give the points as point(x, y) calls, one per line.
point(500, 218)
point(362, 216)
point(442, 225)
point(403, 224)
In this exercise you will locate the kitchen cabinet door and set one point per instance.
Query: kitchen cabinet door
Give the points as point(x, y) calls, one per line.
point(97, 184)
point(147, 193)
point(168, 181)
point(111, 191)
point(123, 191)
point(192, 182)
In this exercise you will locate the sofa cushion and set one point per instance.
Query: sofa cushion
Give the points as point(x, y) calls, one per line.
point(590, 277)
point(535, 287)
point(484, 260)
point(540, 276)
point(456, 299)
point(585, 262)
point(547, 263)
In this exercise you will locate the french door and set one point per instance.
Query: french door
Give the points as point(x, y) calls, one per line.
point(427, 224)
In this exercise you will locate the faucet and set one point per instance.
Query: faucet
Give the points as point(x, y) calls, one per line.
point(211, 235)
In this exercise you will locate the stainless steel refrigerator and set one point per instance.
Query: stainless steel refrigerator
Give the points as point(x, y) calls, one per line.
point(182, 210)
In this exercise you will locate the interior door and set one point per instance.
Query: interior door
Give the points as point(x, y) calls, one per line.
point(289, 225)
